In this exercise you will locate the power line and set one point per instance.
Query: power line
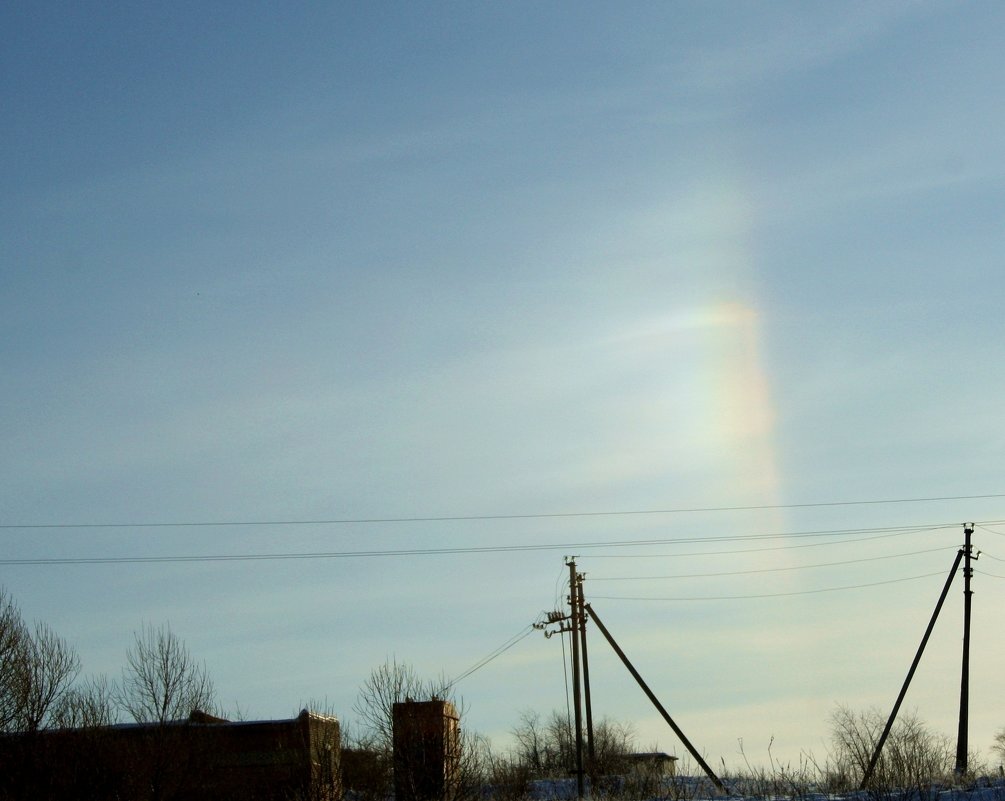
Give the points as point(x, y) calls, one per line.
point(770, 569)
point(990, 530)
point(525, 632)
point(886, 534)
point(767, 595)
point(567, 547)
point(468, 518)
point(560, 583)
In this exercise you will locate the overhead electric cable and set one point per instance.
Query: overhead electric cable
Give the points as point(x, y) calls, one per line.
point(560, 584)
point(767, 595)
point(519, 516)
point(257, 557)
point(525, 632)
point(770, 569)
point(898, 532)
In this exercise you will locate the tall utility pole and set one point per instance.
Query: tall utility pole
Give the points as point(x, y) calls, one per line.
point(574, 627)
point(590, 752)
point(962, 744)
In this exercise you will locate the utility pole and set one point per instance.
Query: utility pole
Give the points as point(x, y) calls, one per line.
point(590, 752)
point(574, 626)
point(962, 744)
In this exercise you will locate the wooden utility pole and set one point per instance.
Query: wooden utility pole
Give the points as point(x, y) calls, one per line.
point(962, 744)
point(577, 702)
point(590, 751)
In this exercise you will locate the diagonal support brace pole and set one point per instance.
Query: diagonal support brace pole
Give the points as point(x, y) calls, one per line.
point(910, 674)
point(655, 701)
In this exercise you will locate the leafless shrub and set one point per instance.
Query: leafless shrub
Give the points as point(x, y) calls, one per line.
point(474, 767)
point(998, 749)
point(776, 779)
point(508, 779)
point(547, 747)
point(683, 784)
point(913, 757)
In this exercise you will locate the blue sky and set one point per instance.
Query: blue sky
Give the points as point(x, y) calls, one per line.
point(338, 262)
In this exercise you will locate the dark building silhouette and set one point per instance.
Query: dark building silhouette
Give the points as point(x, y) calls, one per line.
point(206, 758)
point(426, 750)
point(198, 759)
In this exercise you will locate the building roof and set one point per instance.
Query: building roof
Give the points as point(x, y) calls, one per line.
point(651, 756)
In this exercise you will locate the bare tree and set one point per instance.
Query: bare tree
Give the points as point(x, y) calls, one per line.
point(48, 667)
point(89, 704)
point(999, 745)
point(370, 766)
point(613, 742)
point(161, 681)
point(37, 668)
point(913, 756)
point(546, 748)
point(854, 737)
point(163, 684)
point(476, 766)
point(531, 751)
point(12, 636)
point(388, 684)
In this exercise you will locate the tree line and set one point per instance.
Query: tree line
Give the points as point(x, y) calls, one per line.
point(161, 682)
point(40, 686)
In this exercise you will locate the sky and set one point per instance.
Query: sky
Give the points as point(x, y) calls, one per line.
point(705, 295)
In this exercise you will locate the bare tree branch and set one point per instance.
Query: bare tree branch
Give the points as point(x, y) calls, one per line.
point(37, 668)
point(49, 667)
point(91, 704)
point(12, 635)
point(161, 681)
point(388, 684)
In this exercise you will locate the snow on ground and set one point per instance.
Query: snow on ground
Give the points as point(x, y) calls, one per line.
point(685, 788)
